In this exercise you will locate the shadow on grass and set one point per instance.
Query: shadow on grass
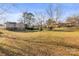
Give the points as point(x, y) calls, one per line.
point(24, 31)
point(58, 43)
point(64, 30)
point(1, 33)
point(70, 29)
point(9, 52)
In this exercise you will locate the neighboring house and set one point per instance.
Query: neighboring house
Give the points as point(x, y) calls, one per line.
point(2, 26)
point(14, 26)
point(67, 24)
point(52, 24)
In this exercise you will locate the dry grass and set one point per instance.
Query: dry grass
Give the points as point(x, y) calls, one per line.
point(39, 43)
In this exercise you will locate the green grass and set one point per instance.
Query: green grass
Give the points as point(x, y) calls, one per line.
point(39, 43)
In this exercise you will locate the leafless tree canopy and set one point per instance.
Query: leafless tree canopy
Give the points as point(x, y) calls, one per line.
point(54, 11)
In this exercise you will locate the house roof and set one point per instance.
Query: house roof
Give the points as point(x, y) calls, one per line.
point(11, 22)
point(1, 25)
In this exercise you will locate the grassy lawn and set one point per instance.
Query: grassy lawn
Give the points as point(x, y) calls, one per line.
point(39, 43)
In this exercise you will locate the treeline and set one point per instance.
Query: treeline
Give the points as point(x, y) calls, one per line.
point(39, 20)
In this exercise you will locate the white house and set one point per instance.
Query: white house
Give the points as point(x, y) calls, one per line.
point(14, 26)
point(10, 25)
point(2, 26)
point(20, 26)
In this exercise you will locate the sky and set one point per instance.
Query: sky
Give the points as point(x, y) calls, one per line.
point(14, 11)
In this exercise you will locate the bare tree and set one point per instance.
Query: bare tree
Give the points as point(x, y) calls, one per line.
point(4, 11)
point(54, 11)
point(50, 11)
point(57, 12)
point(40, 20)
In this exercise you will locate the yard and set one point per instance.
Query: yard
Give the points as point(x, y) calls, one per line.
point(39, 43)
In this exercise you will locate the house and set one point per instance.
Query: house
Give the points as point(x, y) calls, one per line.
point(10, 25)
point(2, 26)
point(20, 26)
point(14, 26)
